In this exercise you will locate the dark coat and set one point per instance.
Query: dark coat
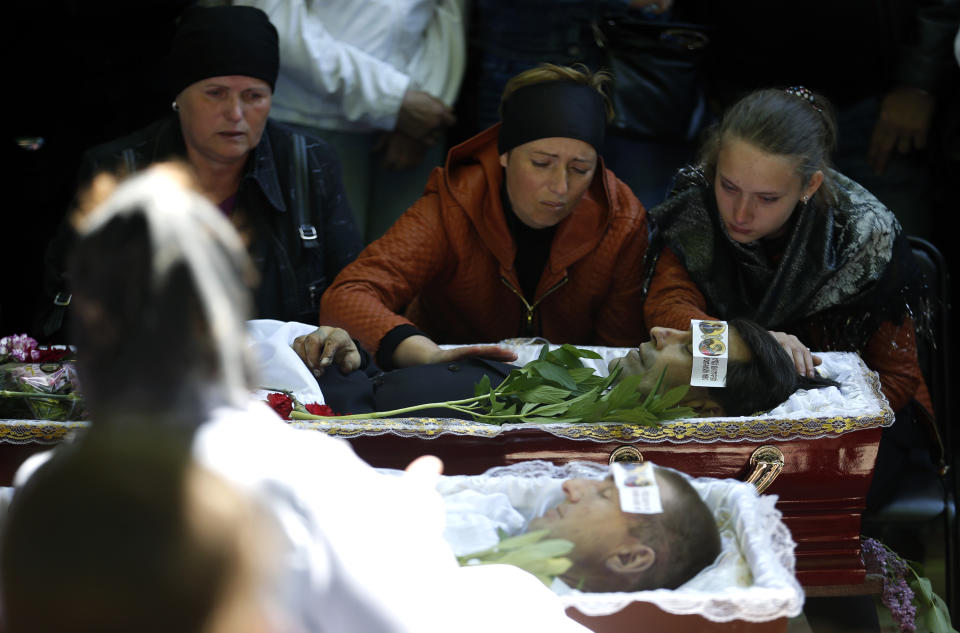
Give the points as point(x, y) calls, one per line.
point(370, 389)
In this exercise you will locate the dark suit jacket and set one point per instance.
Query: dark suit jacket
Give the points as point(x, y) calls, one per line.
point(371, 389)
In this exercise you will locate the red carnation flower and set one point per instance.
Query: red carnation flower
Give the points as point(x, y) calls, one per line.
point(48, 355)
point(281, 403)
point(320, 409)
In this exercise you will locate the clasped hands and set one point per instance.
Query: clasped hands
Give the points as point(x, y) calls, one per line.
point(421, 120)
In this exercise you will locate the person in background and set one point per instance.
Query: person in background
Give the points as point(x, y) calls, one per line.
point(282, 190)
point(377, 80)
point(523, 233)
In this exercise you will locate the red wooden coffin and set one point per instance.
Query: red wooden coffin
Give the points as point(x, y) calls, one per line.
point(827, 461)
point(820, 468)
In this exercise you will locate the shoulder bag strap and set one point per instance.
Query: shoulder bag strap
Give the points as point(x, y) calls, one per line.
point(306, 230)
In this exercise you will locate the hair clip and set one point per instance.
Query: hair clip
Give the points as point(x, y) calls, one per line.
point(805, 94)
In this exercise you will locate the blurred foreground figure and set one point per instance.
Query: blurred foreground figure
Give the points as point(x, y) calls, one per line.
point(127, 533)
point(161, 295)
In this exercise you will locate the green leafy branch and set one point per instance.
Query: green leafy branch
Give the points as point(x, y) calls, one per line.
point(932, 612)
point(40, 405)
point(544, 558)
point(556, 387)
point(39, 395)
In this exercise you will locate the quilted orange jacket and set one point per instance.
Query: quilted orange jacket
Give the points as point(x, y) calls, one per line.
point(447, 265)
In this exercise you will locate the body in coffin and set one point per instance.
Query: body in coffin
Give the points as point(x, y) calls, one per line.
point(749, 586)
point(824, 446)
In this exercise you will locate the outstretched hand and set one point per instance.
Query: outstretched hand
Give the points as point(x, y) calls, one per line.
point(326, 346)
point(798, 352)
point(491, 352)
point(420, 350)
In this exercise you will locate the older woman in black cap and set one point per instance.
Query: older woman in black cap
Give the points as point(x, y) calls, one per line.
point(523, 233)
point(282, 190)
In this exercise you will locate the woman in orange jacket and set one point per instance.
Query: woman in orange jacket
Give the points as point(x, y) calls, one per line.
point(522, 233)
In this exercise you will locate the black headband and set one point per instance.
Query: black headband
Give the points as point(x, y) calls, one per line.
point(553, 108)
point(223, 40)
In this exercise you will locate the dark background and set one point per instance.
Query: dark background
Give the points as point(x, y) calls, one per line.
point(81, 73)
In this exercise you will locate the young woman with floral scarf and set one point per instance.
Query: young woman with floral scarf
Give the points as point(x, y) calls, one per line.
point(763, 228)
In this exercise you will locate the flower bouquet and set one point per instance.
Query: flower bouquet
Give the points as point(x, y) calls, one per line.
point(37, 383)
point(913, 605)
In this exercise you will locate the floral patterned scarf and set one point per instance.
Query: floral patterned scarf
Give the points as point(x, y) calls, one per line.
point(840, 271)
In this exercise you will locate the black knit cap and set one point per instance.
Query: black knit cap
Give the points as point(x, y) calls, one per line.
point(223, 40)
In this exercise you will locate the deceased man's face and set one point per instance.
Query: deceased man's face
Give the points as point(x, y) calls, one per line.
point(670, 350)
point(589, 517)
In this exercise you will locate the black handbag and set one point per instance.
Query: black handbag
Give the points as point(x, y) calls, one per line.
point(657, 78)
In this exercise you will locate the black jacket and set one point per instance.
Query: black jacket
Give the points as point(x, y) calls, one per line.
point(294, 271)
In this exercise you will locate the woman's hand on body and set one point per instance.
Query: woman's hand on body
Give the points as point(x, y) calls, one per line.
point(419, 350)
point(798, 352)
point(326, 346)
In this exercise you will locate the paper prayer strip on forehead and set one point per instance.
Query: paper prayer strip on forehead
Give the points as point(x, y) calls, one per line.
point(637, 487)
point(711, 351)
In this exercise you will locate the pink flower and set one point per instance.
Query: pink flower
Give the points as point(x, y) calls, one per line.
point(20, 346)
point(897, 594)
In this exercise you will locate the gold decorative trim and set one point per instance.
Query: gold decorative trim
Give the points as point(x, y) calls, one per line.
point(677, 431)
point(37, 431)
point(698, 430)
